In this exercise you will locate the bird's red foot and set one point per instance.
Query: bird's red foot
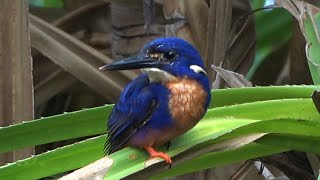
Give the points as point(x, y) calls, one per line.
point(153, 153)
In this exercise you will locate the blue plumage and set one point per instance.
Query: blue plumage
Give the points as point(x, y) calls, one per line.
point(167, 100)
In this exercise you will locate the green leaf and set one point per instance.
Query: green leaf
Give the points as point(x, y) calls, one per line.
point(250, 151)
point(207, 160)
point(225, 97)
point(207, 133)
point(82, 153)
point(272, 109)
point(273, 32)
point(296, 117)
point(55, 128)
point(296, 142)
point(255, 4)
point(212, 159)
point(311, 25)
point(92, 121)
point(57, 161)
point(47, 3)
point(206, 130)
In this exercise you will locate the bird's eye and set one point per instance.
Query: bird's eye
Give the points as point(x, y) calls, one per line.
point(169, 56)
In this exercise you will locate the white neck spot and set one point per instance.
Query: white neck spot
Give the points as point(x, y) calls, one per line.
point(197, 69)
point(158, 75)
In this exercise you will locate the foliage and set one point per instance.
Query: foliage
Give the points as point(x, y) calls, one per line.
point(46, 3)
point(282, 113)
point(312, 29)
point(271, 37)
point(241, 123)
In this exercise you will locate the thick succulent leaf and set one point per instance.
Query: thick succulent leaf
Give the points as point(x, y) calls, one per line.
point(221, 124)
point(93, 149)
point(190, 151)
point(290, 116)
point(92, 121)
point(225, 97)
point(273, 109)
point(297, 142)
point(207, 130)
point(55, 128)
point(287, 126)
point(56, 161)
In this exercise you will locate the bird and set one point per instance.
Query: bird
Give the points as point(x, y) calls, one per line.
point(166, 100)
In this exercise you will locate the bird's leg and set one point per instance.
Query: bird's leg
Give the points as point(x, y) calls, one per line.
point(168, 145)
point(153, 153)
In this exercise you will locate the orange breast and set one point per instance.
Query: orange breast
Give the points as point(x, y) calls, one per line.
point(186, 102)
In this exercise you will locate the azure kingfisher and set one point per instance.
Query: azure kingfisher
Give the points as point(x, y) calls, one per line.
point(166, 100)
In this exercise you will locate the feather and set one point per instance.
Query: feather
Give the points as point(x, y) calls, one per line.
point(135, 107)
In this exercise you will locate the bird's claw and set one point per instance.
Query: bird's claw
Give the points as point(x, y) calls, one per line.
point(161, 155)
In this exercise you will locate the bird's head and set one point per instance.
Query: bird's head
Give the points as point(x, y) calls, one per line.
point(164, 59)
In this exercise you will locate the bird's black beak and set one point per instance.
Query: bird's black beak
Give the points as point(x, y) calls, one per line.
point(136, 62)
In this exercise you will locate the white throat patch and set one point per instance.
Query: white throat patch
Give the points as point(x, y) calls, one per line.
point(197, 69)
point(157, 75)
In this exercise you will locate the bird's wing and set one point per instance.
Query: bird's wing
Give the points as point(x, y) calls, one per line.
point(134, 108)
